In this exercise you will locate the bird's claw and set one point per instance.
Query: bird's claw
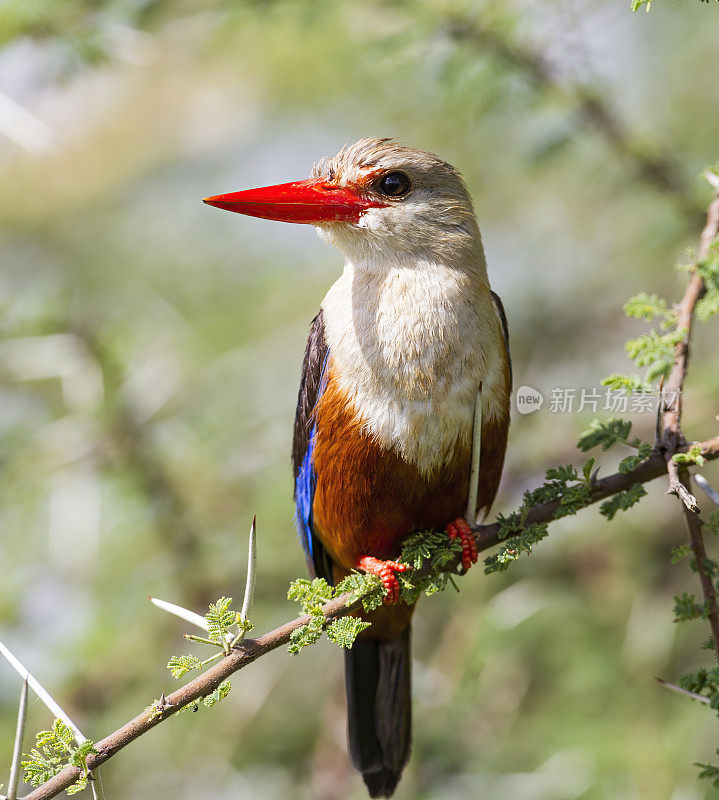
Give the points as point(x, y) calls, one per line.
point(384, 570)
point(460, 528)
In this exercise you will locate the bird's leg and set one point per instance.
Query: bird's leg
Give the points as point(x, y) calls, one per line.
point(384, 570)
point(469, 544)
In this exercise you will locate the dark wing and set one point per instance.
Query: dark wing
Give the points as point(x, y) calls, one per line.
point(499, 308)
point(319, 563)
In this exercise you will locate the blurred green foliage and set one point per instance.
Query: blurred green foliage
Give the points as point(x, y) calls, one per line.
point(150, 350)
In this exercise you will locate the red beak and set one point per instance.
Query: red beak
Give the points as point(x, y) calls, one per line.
point(311, 201)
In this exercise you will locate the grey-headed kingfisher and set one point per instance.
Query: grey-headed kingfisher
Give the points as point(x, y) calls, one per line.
point(383, 428)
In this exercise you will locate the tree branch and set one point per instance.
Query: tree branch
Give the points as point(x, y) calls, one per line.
point(672, 436)
point(674, 385)
point(696, 542)
point(251, 649)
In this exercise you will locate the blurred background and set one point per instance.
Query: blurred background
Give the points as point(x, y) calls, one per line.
point(150, 350)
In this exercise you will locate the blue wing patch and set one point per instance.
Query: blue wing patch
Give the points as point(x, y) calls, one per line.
point(306, 481)
point(304, 497)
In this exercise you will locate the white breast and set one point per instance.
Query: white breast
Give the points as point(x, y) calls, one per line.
point(410, 348)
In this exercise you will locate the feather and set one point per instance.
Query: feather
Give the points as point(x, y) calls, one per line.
point(310, 391)
point(379, 711)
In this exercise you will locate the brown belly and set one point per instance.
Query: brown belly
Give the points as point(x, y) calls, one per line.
point(368, 499)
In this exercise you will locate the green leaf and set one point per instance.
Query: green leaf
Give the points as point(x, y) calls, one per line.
point(686, 608)
point(220, 693)
point(587, 470)
point(312, 595)
point(514, 546)
point(655, 351)
point(56, 749)
point(702, 681)
point(692, 456)
point(632, 384)
point(708, 306)
point(644, 450)
point(562, 473)
point(564, 483)
point(606, 434)
point(646, 306)
point(622, 501)
point(307, 634)
point(181, 665)
point(708, 268)
point(365, 587)
point(709, 771)
point(679, 553)
point(220, 619)
point(434, 547)
point(344, 631)
point(225, 628)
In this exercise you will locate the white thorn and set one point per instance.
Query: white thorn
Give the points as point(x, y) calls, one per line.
point(182, 613)
point(471, 515)
point(251, 570)
point(707, 488)
point(17, 750)
point(98, 792)
point(678, 689)
point(42, 693)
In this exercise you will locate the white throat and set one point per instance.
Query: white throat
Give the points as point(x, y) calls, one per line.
point(410, 344)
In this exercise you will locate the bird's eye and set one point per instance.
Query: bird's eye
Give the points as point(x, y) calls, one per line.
point(394, 184)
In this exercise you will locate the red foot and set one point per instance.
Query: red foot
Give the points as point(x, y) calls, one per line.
point(469, 545)
point(384, 570)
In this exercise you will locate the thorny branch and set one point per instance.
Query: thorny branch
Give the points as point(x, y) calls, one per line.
point(685, 318)
point(696, 542)
point(672, 436)
point(30, 681)
point(249, 650)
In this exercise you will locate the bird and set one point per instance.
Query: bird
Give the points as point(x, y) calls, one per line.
point(383, 429)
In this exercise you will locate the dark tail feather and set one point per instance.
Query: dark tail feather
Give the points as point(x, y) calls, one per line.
point(379, 710)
